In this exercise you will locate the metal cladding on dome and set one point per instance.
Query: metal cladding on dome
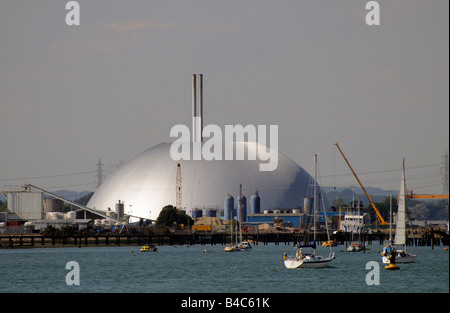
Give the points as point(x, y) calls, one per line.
point(147, 183)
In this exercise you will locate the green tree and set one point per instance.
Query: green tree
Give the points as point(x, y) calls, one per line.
point(169, 214)
point(383, 208)
point(338, 203)
point(51, 231)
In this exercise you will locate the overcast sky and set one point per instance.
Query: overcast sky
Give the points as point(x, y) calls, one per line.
point(113, 86)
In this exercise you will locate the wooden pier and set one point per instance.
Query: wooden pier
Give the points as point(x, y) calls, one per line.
point(198, 238)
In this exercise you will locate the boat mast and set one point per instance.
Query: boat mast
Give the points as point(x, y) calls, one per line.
point(324, 213)
point(240, 212)
point(390, 220)
point(315, 196)
point(404, 199)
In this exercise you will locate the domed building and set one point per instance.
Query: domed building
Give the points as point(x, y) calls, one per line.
point(148, 182)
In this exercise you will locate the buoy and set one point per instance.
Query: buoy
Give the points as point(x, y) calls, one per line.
point(131, 250)
point(445, 249)
point(392, 267)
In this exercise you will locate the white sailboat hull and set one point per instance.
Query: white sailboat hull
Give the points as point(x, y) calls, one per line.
point(232, 248)
point(293, 263)
point(399, 259)
point(309, 262)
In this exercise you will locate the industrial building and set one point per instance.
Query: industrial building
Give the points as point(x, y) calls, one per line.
point(28, 210)
point(148, 182)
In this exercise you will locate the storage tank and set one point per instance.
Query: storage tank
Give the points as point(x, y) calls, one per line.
point(111, 214)
point(119, 210)
point(54, 216)
point(53, 205)
point(211, 213)
point(228, 208)
point(196, 213)
point(71, 216)
point(3, 216)
point(243, 217)
point(308, 203)
point(255, 204)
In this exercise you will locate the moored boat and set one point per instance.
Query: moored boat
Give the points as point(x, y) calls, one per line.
point(401, 255)
point(310, 260)
point(329, 243)
point(148, 248)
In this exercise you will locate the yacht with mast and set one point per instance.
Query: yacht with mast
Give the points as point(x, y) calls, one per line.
point(311, 260)
point(241, 245)
point(402, 256)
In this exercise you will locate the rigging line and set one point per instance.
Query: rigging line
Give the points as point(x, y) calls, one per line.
point(49, 176)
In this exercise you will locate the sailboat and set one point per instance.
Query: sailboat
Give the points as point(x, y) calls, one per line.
point(355, 247)
point(311, 260)
point(242, 245)
point(402, 256)
point(232, 246)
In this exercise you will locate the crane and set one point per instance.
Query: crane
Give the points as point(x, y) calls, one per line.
point(179, 192)
point(412, 196)
point(381, 221)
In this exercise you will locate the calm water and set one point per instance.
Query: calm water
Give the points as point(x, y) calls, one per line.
point(187, 269)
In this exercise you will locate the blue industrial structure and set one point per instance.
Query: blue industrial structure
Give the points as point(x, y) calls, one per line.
point(291, 219)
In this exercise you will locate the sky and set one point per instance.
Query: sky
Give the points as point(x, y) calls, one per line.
point(114, 85)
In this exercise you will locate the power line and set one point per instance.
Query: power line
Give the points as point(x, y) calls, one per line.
point(383, 171)
point(49, 176)
point(444, 173)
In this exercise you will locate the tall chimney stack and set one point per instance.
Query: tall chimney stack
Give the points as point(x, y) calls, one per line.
point(197, 115)
point(200, 106)
point(194, 107)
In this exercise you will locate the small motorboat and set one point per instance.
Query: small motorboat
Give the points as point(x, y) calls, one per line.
point(148, 248)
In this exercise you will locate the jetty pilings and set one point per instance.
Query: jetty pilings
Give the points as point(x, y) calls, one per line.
point(204, 238)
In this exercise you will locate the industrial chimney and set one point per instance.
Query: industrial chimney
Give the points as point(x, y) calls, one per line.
point(197, 115)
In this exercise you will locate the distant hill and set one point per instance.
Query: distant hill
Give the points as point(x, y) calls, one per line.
point(69, 194)
point(346, 193)
point(66, 194)
point(418, 209)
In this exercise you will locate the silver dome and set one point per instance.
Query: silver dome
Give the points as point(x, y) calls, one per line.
point(147, 183)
